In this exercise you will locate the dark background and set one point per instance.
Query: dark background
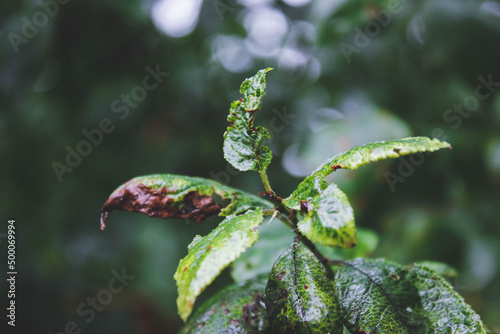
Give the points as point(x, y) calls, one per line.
point(346, 73)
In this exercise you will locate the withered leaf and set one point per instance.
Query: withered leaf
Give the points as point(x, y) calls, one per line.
point(176, 196)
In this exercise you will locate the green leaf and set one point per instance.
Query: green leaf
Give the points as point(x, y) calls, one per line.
point(209, 255)
point(299, 297)
point(243, 147)
point(362, 155)
point(366, 243)
point(273, 239)
point(237, 308)
point(178, 196)
point(378, 296)
point(441, 269)
point(308, 189)
point(328, 219)
point(324, 213)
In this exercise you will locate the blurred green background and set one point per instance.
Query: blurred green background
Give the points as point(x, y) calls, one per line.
point(346, 73)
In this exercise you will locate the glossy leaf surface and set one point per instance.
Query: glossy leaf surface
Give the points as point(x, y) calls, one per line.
point(299, 297)
point(379, 296)
point(235, 309)
point(177, 196)
point(366, 243)
point(260, 258)
point(209, 255)
point(328, 219)
point(442, 269)
point(362, 155)
point(243, 147)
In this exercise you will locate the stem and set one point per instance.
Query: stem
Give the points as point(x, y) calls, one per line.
point(287, 222)
point(290, 219)
point(321, 258)
point(265, 180)
point(268, 212)
point(335, 262)
point(284, 219)
point(309, 244)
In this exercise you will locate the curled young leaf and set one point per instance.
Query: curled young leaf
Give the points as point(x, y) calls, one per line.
point(177, 196)
point(237, 308)
point(299, 296)
point(379, 296)
point(208, 256)
point(243, 147)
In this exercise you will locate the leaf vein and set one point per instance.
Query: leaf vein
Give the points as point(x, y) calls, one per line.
point(380, 287)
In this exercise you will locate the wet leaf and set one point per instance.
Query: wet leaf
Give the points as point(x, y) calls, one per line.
point(209, 255)
point(308, 189)
point(237, 308)
point(273, 239)
point(441, 269)
point(362, 155)
point(299, 297)
point(243, 147)
point(328, 219)
point(177, 196)
point(366, 243)
point(379, 296)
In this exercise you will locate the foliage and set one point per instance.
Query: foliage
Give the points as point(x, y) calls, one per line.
point(381, 296)
point(243, 141)
point(175, 196)
point(237, 308)
point(207, 256)
point(306, 291)
point(299, 296)
point(404, 82)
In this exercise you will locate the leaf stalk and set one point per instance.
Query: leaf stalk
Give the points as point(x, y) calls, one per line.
point(265, 181)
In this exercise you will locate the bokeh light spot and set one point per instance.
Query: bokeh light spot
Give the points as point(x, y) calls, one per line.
point(176, 18)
